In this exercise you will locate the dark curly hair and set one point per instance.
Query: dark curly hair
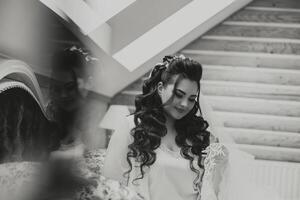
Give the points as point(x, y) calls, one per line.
point(149, 118)
point(73, 59)
point(77, 63)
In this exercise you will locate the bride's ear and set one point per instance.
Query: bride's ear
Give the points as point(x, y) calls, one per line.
point(160, 87)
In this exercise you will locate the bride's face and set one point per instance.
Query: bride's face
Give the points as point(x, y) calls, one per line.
point(180, 103)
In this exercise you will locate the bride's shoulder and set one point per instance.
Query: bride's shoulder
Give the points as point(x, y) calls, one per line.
point(216, 148)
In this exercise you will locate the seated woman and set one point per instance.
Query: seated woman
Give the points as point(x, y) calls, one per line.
point(26, 135)
point(163, 155)
point(27, 125)
point(68, 92)
point(163, 150)
point(27, 138)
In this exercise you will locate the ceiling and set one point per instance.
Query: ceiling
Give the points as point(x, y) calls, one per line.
point(31, 32)
point(127, 38)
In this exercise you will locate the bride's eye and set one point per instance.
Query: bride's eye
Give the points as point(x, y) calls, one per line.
point(192, 100)
point(178, 95)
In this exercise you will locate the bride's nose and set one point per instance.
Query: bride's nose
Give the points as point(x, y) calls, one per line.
point(184, 103)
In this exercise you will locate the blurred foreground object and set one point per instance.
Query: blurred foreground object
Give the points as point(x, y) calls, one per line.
point(112, 119)
point(26, 133)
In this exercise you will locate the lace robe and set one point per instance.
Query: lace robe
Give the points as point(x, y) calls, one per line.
point(170, 177)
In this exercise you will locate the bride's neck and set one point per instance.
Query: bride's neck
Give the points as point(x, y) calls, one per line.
point(170, 122)
point(169, 139)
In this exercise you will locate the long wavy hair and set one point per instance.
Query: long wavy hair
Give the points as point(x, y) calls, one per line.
point(149, 118)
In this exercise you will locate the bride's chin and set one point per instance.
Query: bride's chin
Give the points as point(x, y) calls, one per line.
point(178, 116)
point(174, 114)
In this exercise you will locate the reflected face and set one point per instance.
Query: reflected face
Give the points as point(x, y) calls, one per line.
point(183, 100)
point(65, 91)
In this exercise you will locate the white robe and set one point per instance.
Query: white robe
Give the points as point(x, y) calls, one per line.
point(170, 177)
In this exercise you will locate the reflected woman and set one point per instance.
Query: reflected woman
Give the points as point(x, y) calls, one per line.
point(68, 92)
point(163, 155)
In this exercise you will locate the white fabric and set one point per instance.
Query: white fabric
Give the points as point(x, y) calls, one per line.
point(170, 176)
point(237, 183)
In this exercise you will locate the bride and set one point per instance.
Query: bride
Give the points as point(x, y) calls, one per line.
point(165, 152)
point(165, 155)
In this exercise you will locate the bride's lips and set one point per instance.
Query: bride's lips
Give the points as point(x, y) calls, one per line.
point(180, 110)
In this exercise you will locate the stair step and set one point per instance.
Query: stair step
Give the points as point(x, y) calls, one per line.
point(249, 15)
point(226, 89)
point(254, 90)
point(262, 137)
point(276, 3)
point(244, 59)
point(243, 89)
point(266, 24)
point(284, 176)
point(238, 120)
point(251, 39)
point(254, 105)
point(240, 73)
point(261, 8)
point(257, 121)
point(249, 74)
point(245, 46)
point(254, 31)
point(272, 153)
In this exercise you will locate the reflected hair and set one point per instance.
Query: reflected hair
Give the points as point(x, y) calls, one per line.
point(75, 60)
point(25, 133)
point(149, 118)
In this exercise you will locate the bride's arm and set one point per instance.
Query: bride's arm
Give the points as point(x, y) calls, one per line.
point(221, 163)
point(214, 164)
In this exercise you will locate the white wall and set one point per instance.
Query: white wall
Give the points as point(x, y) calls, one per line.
point(23, 29)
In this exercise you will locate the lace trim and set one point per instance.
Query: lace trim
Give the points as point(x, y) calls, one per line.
point(215, 152)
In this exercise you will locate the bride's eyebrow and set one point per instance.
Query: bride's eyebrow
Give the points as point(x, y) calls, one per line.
point(182, 92)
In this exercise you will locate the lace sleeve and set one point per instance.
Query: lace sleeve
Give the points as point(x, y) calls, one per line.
point(214, 165)
point(216, 157)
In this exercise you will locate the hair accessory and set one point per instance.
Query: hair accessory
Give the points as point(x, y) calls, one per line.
point(86, 55)
point(158, 66)
point(166, 61)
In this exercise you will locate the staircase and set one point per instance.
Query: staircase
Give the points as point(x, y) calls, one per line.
point(251, 79)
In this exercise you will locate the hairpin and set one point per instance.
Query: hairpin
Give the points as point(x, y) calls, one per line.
point(166, 61)
point(86, 55)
